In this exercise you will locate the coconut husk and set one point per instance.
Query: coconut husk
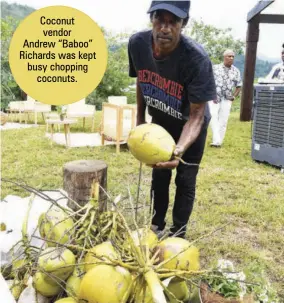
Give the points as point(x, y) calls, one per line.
point(207, 296)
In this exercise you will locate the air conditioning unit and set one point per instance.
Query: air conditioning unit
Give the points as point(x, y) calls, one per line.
point(268, 124)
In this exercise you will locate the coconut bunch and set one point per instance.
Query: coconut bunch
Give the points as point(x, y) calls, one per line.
point(85, 227)
point(145, 270)
point(67, 237)
point(122, 265)
point(142, 268)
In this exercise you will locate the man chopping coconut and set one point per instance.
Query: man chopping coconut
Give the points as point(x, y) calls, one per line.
point(174, 80)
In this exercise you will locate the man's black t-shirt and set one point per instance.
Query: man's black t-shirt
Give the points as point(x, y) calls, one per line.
point(170, 84)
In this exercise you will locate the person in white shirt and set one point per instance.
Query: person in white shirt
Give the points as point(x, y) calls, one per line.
point(277, 71)
point(228, 86)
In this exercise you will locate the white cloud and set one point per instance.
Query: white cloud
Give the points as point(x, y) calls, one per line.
point(122, 15)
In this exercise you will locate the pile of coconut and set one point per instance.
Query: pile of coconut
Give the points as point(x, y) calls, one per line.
point(95, 257)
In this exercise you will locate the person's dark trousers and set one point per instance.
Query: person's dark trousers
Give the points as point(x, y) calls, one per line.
point(185, 188)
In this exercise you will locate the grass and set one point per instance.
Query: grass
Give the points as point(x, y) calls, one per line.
point(231, 188)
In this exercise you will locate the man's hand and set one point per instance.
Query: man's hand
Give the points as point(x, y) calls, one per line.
point(172, 164)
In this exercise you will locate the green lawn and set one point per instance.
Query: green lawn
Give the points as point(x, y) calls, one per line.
point(231, 188)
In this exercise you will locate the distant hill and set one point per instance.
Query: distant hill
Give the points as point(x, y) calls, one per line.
point(269, 59)
point(262, 67)
point(15, 10)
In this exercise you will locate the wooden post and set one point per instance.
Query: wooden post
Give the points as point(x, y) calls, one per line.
point(250, 59)
point(78, 178)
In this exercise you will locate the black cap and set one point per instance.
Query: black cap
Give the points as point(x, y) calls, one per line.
point(178, 8)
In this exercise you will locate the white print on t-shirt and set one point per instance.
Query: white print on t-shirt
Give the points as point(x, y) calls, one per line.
point(162, 107)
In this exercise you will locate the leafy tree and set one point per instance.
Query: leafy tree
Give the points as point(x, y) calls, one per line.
point(116, 79)
point(214, 40)
point(9, 88)
point(11, 14)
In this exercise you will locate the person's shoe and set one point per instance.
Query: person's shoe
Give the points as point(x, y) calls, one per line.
point(180, 233)
point(215, 145)
point(157, 231)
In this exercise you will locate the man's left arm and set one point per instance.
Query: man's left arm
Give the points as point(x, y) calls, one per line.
point(236, 92)
point(201, 88)
point(191, 129)
point(238, 85)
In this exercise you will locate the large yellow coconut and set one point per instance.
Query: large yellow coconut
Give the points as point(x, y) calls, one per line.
point(106, 284)
point(55, 225)
point(44, 287)
point(66, 300)
point(150, 143)
point(144, 236)
point(56, 263)
point(187, 260)
point(104, 250)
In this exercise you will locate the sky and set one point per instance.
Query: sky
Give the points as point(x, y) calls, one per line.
point(131, 15)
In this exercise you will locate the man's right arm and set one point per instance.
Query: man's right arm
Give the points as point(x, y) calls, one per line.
point(141, 107)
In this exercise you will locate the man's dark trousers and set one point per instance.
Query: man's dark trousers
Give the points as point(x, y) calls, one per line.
point(185, 185)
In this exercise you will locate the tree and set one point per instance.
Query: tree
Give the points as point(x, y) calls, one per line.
point(214, 40)
point(12, 14)
point(9, 88)
point(116, 79)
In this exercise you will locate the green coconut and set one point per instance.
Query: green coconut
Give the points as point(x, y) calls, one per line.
point(150, 143)
point(55, 225)
point(106, 284)
point(144, 237)
point(16, 288)
point(74, 281)
point(179, 289)
point(45, 288)
point(56, 263)
point(19, 268)
point(187, 260)
point(104, 250)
